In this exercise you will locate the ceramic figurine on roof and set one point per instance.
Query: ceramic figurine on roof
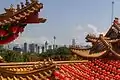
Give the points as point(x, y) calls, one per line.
point(14, 20)
point(116, 21)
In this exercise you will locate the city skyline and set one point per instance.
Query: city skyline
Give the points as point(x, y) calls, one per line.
point(33, 47)
point(68, 19)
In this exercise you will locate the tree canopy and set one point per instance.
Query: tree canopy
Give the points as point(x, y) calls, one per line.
point(61, 53)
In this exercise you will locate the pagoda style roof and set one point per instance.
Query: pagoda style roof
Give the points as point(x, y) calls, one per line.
point(21, 13)
point(26, 70)
point(103, 46)
point(95, 69)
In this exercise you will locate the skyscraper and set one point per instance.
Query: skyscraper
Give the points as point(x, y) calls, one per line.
point(38, 49)
point(25, 47)
point(43, 48)
point(17, 48)
point(46, 45)
point(73, 42)
point(32, 48)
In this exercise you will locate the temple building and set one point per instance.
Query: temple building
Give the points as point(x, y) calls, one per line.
point(99, 62)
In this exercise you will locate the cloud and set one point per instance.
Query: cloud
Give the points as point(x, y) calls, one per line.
point(80, 32)
point(94, 28)
point(40, 40)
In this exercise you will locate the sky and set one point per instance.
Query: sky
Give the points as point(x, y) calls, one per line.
point(68, 19)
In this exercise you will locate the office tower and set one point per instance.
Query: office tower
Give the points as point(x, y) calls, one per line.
point(32, 48)
point(73, 42)
point(16, 48)
point(38, 49)
point(46, 45)
point(43, 48)
point(25, 47)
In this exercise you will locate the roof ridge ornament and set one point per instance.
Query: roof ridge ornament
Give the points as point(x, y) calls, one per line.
point(109, 42)
point(27, 2)
point(22, 5)
point(11, 6)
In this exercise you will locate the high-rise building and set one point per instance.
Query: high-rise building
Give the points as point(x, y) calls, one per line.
point(43, 48)
point(73, 42)
point(25, 47)
point(16, 48)
point(46, 45)
point(32, 48)
point(38, 49)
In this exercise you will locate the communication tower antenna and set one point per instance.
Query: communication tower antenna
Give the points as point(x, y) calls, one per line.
point(112, 15)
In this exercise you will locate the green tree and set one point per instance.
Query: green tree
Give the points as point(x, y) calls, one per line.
point(62, 53)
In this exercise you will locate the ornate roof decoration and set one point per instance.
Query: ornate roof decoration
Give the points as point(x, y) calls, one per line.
point(22, 12)
point(103, 46)
point(14, 20)
point(27, 70)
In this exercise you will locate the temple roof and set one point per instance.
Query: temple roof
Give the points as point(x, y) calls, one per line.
point(15, 15)
point(96, 69)
point(26, 70)
point(101, 69)
point(103, 46)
